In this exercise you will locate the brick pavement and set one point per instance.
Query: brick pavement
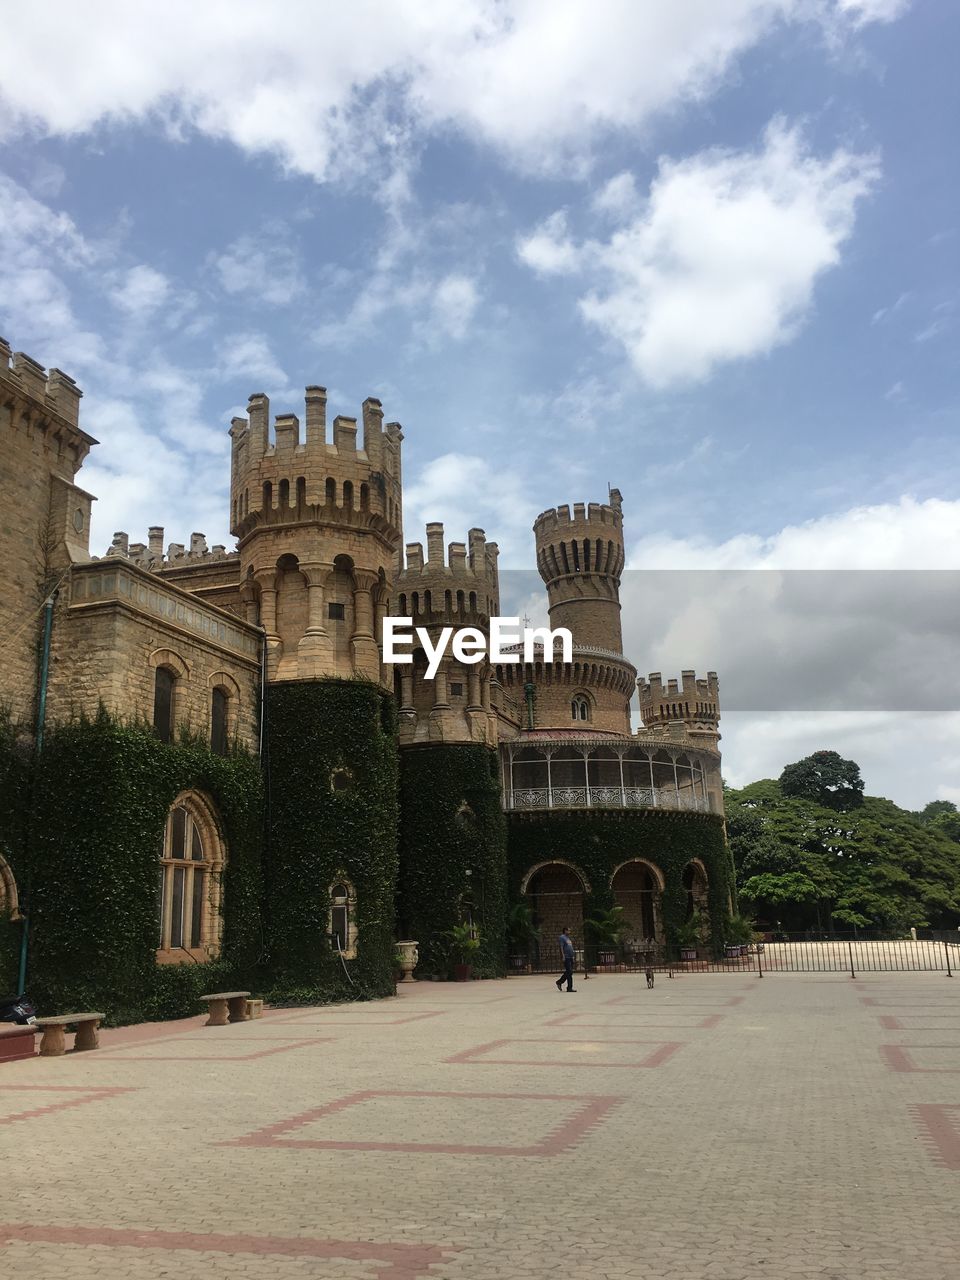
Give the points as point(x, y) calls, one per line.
point(720, 1127)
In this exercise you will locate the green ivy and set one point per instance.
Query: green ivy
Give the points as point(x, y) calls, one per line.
point(598, 841)
point(15, 751)
point(452, 822)
point(317, 833)
point(102, 792)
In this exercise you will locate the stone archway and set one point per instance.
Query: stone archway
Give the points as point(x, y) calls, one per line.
point(555, 892)
point(638, 888)
point(9, 902)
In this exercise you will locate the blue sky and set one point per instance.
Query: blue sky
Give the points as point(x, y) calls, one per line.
point(705, 252)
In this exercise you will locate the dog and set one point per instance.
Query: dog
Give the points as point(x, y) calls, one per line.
point(649, 975)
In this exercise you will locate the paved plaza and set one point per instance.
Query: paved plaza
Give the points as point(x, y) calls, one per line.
point(717, 1126)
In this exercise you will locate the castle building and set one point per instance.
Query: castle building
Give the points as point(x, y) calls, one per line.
point(268, 793)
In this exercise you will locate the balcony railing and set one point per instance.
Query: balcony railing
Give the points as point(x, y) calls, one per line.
point(604, 798)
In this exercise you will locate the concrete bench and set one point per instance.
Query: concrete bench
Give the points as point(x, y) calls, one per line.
point(16, 1041)
point(226, 1006)
point(53, 1042)
point(254, 1008)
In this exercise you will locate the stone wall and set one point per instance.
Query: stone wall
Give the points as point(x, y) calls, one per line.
point(119, 624)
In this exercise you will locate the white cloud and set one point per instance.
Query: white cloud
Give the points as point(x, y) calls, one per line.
point(454, 303)
point(460, 487)
point(549, 250)
point(140, 291)
point(343, 90)
point(618, 197)
point(721, 263)
point(248, 355)
point(263, 269)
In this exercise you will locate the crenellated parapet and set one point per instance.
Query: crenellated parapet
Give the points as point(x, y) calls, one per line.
point(456, 585)
point(35, 400)
point(580, 557)
point(281, 475)
point(690, 706)
point(150, 555)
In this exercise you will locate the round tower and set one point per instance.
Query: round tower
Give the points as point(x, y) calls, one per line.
point(457, 587)
point(580, 558)
point(318, 524)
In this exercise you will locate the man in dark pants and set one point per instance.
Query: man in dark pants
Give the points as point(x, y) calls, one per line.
point(566, 948)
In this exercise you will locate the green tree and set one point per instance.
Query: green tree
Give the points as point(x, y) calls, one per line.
point(936, 809)
point(826, 778)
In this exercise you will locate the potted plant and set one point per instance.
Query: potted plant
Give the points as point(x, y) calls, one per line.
point(522, 932)
point(689, 935)
point(739, 934)
point(609, 929)
point(464, 944)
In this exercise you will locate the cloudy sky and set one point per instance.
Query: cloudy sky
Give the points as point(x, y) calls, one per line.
point(704, 251)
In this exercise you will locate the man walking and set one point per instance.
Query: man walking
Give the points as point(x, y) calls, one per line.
point(567, 951)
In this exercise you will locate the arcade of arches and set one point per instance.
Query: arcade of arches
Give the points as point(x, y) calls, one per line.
point(556, 892)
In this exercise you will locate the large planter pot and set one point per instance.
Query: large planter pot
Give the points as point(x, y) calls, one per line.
point(462, 972)
point(409, 955)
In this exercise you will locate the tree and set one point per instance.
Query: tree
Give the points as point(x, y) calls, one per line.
point(827, 778)
point(935, 809)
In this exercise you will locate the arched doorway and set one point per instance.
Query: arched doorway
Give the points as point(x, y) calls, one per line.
point(637, 888)
point(695, 887)
point(555, 892)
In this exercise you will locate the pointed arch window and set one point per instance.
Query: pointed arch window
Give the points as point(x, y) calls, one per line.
point(343, 924)
point(191, 862)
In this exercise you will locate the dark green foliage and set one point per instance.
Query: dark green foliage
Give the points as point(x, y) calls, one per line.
point(14, 779)
point(936, 809)
point(331, 813)
point(598, 841)
point(825, 778)
point(452, 822)
point(808, 866)
point(101, 797)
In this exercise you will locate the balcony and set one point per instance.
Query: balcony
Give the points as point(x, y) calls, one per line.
point(604, 798)
point(602, 774)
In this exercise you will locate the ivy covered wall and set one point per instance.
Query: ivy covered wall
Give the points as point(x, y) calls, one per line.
point(102, 791)
point(598, 841)
point(14, 777)
point(331, 803)
point(452, 823)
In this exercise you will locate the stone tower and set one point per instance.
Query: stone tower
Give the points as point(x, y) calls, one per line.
point(580, 558)
point(318, 524)
point(455, 587)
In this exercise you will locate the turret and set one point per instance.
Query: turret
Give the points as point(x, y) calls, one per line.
point(580, 558)
point(691, 706)
point(454, 586)
point(318, 518)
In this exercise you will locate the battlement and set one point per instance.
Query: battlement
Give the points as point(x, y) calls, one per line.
point(281, 472)
point(57, 392)
point(150, 555)
point(689, 699)
point(461, 579)
point(558, 520)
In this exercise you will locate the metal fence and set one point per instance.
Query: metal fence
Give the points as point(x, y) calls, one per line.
point(931, 954)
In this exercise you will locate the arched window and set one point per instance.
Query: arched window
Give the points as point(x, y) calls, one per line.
point(343, 924)
point(284, 493)
point(580, 708)
point(164, 685)
point(191, 860)
point(219, 709)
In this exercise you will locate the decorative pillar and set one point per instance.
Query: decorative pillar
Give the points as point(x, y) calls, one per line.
point(676, 781)
point(266, 580)
point(380, 608)
point(315, 655)
point(363, 642)
point(407, 706)
point(473, 690)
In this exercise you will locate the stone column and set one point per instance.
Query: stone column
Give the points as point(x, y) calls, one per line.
point(380, 608)
point(315, 656)
point(473, 690)
point(266, 580)
point(363, 642)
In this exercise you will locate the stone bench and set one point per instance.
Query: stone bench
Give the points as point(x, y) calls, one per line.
point(53, 1042)
point(16, 1041)
point(226, 1006)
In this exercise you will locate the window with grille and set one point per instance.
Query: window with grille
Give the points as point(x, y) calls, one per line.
point(189, 913)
